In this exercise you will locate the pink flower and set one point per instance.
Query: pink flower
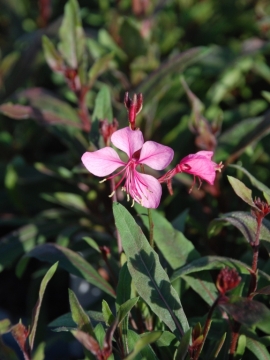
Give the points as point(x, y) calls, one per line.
point(199, 165)
point(145, 189)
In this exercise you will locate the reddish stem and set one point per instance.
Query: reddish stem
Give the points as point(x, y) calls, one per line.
point(253, 283)
point(206, 327)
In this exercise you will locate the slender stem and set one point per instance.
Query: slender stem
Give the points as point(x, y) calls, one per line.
point(83, 110)
point(235, 336)
point(114, 199)
point(252, 287)
point(206, 328)
point(256, 245)
point(151, 228)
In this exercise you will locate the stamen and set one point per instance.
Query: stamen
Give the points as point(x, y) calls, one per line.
point(102, 181)
point(132, 203)
point(112, 194)
point(219, 167)
point(128, 198)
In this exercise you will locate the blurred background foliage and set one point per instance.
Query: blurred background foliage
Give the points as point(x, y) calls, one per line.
point(204, 70)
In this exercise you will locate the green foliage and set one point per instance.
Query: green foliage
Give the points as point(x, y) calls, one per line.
point(198, 65)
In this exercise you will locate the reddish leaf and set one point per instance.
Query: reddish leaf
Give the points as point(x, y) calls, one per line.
point(45, 117)
point(89, 343)
point(20, 334)
point(264, 291)
point(246, 311)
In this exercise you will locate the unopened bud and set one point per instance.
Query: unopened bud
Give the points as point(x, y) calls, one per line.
point(107, 129)
point(262, 208)
point(227, 280)
point(134, 106)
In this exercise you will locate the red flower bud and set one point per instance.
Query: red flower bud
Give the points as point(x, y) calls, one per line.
point(134, 106)
point(227, 280)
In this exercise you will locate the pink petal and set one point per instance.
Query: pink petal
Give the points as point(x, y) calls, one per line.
point(146, 190)
point(155, 155)
point(102, 162)
point(207, 154)
point(128, 140)
point(199, 166)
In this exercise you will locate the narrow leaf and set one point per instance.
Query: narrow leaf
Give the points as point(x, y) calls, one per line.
point(217, 347)
point(264, 291)
point(241, 347)
point(72, 35)
point(99, 67)
point(244, 222)
point(88, 342)
point(241, 190)
point(79, 316)
point(49, 274)
point(20, 334)
point(103, 108)
point(246, 311)
point(72, 262)
point(107, 313)
point(52, 56)
point(150, 279)
point(6, 353)
point(145, 340)
point(44, 117)
point(125, 308)
point(259, 185)
point(258, 349)
point(183, 347)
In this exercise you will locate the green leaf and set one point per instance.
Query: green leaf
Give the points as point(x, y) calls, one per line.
point(103, 107)
point(36, 311)
point(68, 200)
point(235, 140)
point(39, 352)
point(241, 347)
point(244, 222)
point(92, 243)
point(174, 65)
point(72, 262)
point(217, 347)
point(258, 349)
point(123, 294)
point(177, 249)
point(52, 56)
point(214, 262)
point(79, 316)
point(23, 240)
point(139, 345)
point(132, 42)
point(208, 263)
point(107, 313)
point(72, 35)
point(150, 279)
point(99, 67)
point(167, 345)
point(183, 347)
point(203, 284)
point(241, 190)
point(123, 290)
point(125, 308)
point(259, 185)
point(6, 353)
point(66, 323)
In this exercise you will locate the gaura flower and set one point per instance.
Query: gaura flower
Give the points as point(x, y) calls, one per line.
point(143, 188)
point(199, 165)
